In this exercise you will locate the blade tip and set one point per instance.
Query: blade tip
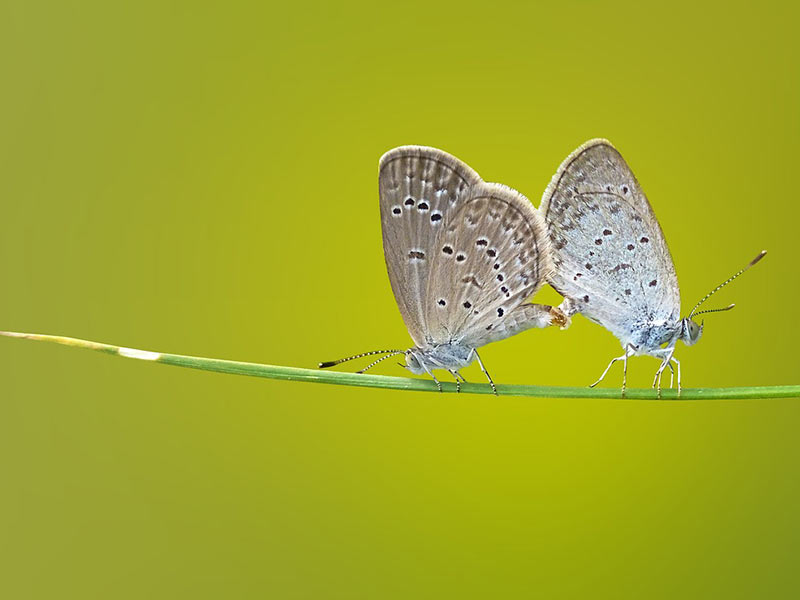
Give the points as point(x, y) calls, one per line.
point(13, 334)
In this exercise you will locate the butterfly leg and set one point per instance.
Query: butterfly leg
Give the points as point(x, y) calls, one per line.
point(657, 378)
point(630, 350)
point(678, 364)
point(436, 381)
point(485, 372)
point(671, 375)
point(666, 357)
point(456, 376)
point(613, 360)
point(625, 372)
point(429, 372)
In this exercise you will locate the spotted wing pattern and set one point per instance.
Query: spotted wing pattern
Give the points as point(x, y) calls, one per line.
point(609, 253)
point(420, 188)
point(491, 255)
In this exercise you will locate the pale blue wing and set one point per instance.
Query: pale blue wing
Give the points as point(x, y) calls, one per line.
point(609, 252)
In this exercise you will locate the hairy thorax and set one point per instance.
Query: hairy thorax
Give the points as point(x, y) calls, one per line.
point(439, 356)
point(649, 337)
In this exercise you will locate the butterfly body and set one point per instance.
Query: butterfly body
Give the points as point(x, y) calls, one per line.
point(462, 255)
point(450, 357)
point(457, 354)
point(611, 260)
point(650, 337)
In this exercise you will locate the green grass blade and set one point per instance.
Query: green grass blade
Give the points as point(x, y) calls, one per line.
point(404, 383)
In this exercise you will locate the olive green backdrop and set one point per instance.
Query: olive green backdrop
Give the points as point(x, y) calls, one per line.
point(200, 179)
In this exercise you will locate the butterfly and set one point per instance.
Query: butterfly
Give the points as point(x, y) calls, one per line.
point(462, 255)
point(611, 261)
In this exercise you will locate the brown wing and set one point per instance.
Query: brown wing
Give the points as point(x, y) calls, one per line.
point(493, 254)
point(420, 188)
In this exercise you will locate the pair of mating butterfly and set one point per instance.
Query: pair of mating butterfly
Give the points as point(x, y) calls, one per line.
point(464, 255)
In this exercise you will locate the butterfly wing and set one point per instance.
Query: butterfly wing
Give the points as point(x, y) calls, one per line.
point(491, 255)
point(609, 253)
point(420, 188)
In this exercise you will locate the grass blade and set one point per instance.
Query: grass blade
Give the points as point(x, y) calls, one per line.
point(404, 383)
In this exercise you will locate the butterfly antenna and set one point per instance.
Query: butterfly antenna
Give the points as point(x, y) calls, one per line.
point(713, 310)
point(723, 284)
point(331, 363)
point(382, 358)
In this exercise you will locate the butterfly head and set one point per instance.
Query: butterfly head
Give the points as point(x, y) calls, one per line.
point(413, 362)
point(690, 331)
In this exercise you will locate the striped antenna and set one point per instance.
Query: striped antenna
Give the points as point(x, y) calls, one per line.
point(712, 310)
point(724, 283)
point(382, 358)
point(325, 365)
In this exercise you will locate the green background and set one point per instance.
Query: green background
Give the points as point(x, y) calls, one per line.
point(202, 180)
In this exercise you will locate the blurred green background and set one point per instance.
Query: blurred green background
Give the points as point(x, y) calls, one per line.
point(202, 179)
